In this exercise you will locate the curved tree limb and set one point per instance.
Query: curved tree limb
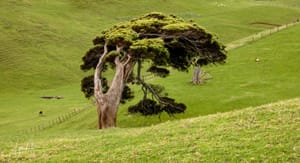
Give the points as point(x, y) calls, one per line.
point(154, 94)
point(146, 87)
point(97, 75)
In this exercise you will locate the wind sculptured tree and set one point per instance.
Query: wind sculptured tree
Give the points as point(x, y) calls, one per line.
point(164, 41)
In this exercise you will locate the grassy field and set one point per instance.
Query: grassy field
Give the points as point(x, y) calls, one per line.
point(256, 134)
point(42, 43)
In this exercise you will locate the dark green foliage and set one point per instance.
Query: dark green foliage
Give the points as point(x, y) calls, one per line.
point(91, 58)
point(157, 104)
point(151, 107)
point(171, 107)
point(174, 108)
point(158, 16)
point(146, 107)
point(193, 45)
point(99, 40)
point(178, 57)
point(162, 72)
point(127, 94)
point(87, 86)
point(202, 61)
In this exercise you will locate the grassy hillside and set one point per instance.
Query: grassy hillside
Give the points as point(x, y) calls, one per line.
point(42, 43)
point(257, 134)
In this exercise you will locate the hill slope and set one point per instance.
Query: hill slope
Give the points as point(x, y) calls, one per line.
point(41, 46)
point(265, 133)
point(42, 41)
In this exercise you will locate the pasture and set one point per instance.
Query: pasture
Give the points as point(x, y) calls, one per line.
point(42, 43)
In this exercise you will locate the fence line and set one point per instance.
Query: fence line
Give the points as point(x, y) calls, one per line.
point(148, 76)
point(251, 38)
point(56, 121)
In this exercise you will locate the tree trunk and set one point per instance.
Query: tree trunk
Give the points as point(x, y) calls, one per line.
point(197, 75)
point(107, 104)
point(106, 115)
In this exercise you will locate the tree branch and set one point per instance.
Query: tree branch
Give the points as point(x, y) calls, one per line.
point(129, 66)
point(128, 59)
point(117, 60)
point(148, 87)
point(119, 48)
point(97, 75)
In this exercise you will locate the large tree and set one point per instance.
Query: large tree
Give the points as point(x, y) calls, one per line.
point(163, 41)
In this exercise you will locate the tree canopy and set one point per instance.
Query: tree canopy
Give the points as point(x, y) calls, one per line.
point(165, 41)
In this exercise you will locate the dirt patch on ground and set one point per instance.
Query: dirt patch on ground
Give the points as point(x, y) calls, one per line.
point(265, 24)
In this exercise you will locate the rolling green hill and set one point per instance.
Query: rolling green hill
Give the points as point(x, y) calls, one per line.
point(42, 43)
point(268, 133)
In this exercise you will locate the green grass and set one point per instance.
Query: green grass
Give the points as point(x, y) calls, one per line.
point(42, 43)
point(21, 112)
point(268, 133)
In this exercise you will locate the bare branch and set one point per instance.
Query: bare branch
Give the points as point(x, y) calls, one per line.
point(97, 75)
point(119, 48)
point(117, 60)
point(128, 59)
point(146, 87)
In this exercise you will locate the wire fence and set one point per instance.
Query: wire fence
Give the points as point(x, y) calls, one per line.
point(56, 121)
point(148, 76)
point(251, 38)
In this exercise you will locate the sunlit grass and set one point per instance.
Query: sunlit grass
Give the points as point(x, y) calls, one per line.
point(265, 133)
point(42, 43)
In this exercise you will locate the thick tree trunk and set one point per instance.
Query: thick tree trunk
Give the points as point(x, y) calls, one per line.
point(107, 103)
point(107, 112)
point(106, 115)
point(197, 75)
